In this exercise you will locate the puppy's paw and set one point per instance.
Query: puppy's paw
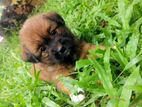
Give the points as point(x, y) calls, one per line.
point(78, 98)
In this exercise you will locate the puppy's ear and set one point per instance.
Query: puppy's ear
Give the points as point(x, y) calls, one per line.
point(29, 57)
point(55, 17)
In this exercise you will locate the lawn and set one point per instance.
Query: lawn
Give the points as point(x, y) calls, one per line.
point(114, 79)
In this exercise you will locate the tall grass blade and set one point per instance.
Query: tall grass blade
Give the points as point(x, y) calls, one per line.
point(135, 26)
point(127, 92)
point(49, 102)
point(131, 47)
point(133, 62)
point(120, 57)
point(105, 80)
point(121, 11)
point(107, 63)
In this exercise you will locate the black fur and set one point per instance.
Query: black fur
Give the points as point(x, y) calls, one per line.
point(29, 56)
point(32, 58)
point(56, 18)
point(68, 52)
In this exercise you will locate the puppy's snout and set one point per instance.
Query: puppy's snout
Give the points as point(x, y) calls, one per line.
point(59, 47)
point(62, 50)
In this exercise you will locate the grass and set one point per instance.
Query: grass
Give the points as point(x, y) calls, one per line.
point(112, 80)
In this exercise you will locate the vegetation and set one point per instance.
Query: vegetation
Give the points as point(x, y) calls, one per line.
point(113, 79)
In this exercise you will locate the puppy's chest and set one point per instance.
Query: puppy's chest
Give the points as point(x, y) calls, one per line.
point(51, 73)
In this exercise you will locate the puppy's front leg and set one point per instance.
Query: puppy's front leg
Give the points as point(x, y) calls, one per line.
point(65, 71)
point(53, 73)
point(61, 87)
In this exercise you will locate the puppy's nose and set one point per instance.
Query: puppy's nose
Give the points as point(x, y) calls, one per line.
point(62, 50)
point(59, 47)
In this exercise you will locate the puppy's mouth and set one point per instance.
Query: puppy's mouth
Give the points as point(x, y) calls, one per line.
point(65, 55)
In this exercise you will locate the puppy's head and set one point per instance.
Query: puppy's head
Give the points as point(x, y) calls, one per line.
point(46, 39)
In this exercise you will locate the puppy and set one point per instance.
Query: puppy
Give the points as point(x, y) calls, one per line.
point(52, 48)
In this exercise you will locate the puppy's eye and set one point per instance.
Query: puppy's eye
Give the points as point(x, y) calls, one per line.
point(53, 32)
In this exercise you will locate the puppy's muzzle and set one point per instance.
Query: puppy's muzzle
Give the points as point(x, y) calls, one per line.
point(63, 48)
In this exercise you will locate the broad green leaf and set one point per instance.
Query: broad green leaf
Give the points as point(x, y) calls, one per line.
point(105, 80)
point(107, 63)
point(122, 12)
point(126, 92)
point(125, 12)
point(128, 15)
point(94, 97)
point(97, 52)
point(137, 88)
point(108, 35)
point(122, 36)
point(82, 63)
point(115, 56)
point(92, 105)
point(120, 57)
point(131, 47)
point(89, 101)
point(135, 26)
point(49, 102)
point(109, 104)
point(133, 62)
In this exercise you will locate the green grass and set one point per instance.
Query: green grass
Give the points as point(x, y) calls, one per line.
point(112, 80)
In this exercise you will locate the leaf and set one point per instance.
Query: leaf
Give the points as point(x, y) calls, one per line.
point(115, 56)
point(49, 102)
point(135, 26)
point(107, 64)
point(82, 63)
point(131, 47)
point(125, 12)
point(121, 9)
point(127, 92)
point(94, 97)
point(133, 62)
point(121, 56)
point(137, 88)
point(136, 2)
point(128, 15)
point(105, 80)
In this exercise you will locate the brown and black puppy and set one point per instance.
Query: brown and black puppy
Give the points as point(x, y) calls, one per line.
point(51, 47)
